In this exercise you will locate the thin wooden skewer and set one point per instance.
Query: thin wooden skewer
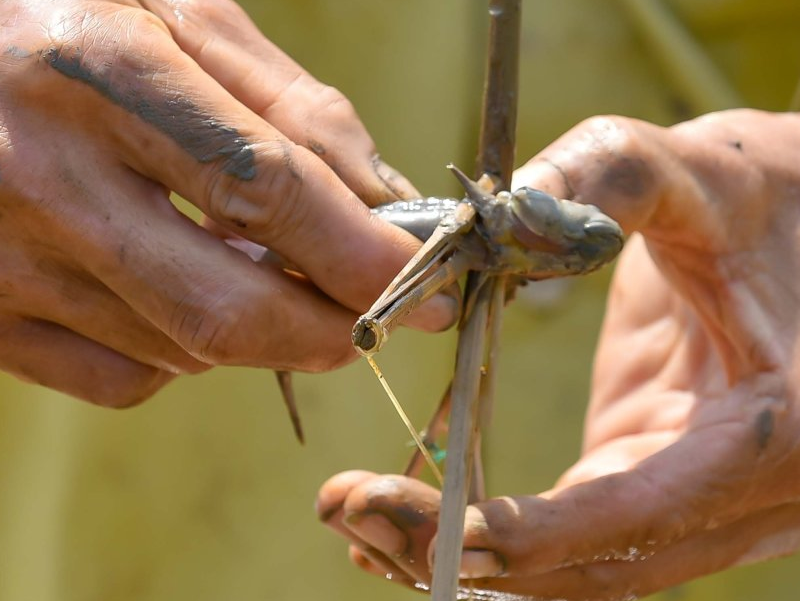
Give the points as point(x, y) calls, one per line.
point(486, 394)
point(407, 422)
point(435, 428)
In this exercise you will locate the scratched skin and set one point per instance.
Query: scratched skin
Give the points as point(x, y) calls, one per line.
point(692, 440)
point(106, 290)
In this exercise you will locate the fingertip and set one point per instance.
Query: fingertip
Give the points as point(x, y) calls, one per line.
point(133, 391)
point(368, 176)
point(360, 560)
point(542, 174)
point(373, 561)
point(395, 183)
point(334, 491)
point(481, 563)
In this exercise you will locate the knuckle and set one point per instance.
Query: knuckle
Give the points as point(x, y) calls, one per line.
point(81, 42)
point(136, 24)
point(99, 46)
point(613, 133)
point(626, 168)
point(75, 28)
point(210, 11)
point(334, 113)
point(196, 22)
point(212, 327)
point(97, 31)
point(334, 104)
point(270, 204)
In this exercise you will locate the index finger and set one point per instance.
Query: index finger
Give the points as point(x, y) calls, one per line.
point(175, 124)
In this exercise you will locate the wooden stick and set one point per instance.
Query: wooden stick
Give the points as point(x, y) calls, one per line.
point(496, 158)
point(287, 392)
point(496, 149)
point(497, 140)
point(488, 383)
point(466, 385)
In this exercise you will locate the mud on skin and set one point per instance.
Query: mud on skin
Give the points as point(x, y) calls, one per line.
point(628, 176)
point(16, 52)
point(201, 135)
point(765, 425)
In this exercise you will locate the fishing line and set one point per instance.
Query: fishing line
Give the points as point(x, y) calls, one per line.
point(415, 435)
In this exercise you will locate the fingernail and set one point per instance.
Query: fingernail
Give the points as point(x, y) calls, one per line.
point(480, 563)
point(376, 530)
point(393, 179)
point(255, 251)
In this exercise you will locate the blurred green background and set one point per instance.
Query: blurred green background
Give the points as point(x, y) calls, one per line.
point(203, 493)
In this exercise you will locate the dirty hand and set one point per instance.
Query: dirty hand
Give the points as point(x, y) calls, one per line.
point(691, 452)
point(106, 290)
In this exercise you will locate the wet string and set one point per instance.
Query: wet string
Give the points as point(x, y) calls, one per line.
point(415, 435)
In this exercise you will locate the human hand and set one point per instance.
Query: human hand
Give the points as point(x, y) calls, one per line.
point(691, 455)
point(106, 290)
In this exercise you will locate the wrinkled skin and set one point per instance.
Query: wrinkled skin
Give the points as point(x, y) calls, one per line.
point(106, 290)
point(691, 455)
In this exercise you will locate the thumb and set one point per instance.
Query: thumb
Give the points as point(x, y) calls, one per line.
point(626, 167)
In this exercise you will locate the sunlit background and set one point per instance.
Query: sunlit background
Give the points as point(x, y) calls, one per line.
point(203, 494)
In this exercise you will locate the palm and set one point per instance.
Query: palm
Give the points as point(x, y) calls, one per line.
point(691, 443)
point(657, 375)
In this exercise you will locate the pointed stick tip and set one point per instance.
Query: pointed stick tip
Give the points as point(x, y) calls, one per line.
point(287, 392)
point(473, 190)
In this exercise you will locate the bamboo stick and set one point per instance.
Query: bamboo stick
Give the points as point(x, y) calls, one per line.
point(497, 141)
point(496, 158)
point(466, 385)
point(488, 385)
